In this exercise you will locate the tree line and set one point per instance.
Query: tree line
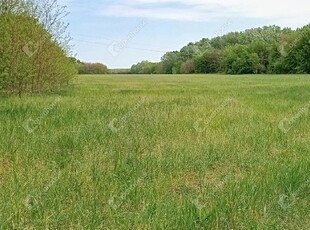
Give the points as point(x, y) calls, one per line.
point(269, 49)
point(34, 47)
point(89, 68)
point(96, 68)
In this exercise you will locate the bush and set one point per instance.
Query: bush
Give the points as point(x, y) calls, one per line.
point(31, 60)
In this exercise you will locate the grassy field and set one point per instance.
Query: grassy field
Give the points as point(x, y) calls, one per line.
point(158, 152)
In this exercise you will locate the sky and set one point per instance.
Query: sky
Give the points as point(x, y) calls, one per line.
point(120, 33)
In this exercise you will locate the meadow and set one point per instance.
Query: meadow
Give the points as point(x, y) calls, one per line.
point(158, 152)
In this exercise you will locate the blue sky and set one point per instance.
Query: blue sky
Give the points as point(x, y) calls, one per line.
point(120, 33)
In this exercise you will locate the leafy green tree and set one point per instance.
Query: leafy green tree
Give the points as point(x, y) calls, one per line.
point(32, 60)
point(239, 59)
point(18, 68)
point(208, 62)
point(145, 67)
point(298, 60)
point(262, 49)
point(268, 49)
point(277, 59)
point(171, 62)
point(188, 52)
point(92, 68)
point(187, 67)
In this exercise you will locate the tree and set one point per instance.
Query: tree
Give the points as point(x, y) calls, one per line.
point(31, 59)
point(92, 68)
point(277, 59)
point(188, 52)
point(239, 59)
point(145, 67)
point(17, 67)
point(187, 67)
point(262, 49)
point(298, 59)
point(208, 62)
point(268, 49)
point(171, 62)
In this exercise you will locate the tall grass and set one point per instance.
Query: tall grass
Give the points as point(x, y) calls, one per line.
point(68, 169)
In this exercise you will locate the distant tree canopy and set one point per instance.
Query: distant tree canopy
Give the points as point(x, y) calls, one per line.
point(119, 71)
point(145, 67)
point(262, 50)
point(33, 47)
point(239, 59)
point(92, 68)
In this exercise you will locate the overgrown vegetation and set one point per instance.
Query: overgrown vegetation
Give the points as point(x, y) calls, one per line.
point(262, 50)
point(62, 167)
point(33, 47)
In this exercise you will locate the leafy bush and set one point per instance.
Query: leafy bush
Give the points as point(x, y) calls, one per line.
point(31, 59)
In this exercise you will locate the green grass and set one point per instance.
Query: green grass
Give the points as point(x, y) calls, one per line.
point(157, 171)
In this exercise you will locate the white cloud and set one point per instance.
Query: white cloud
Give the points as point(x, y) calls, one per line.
point(286, 12)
